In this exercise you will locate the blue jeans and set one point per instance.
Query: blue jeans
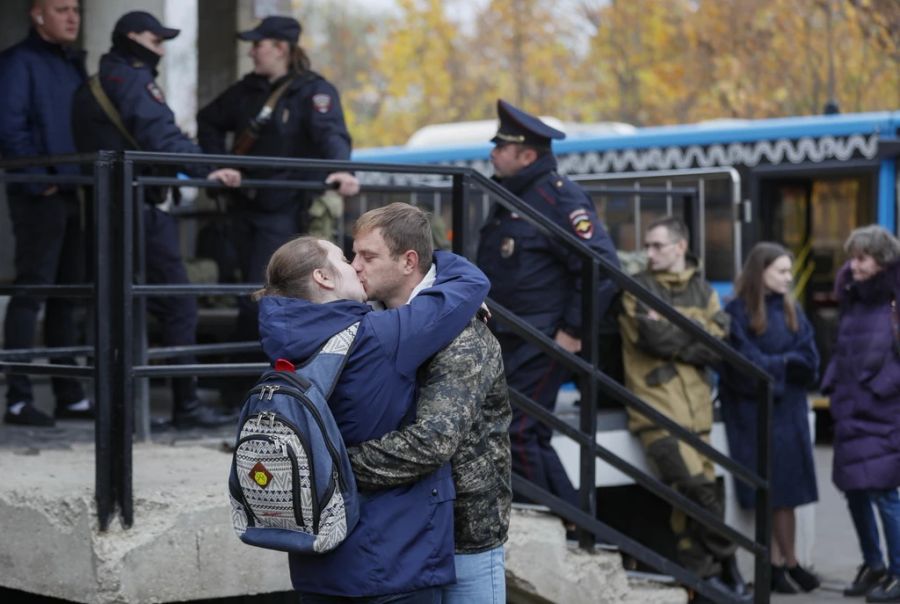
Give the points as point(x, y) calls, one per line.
point(480, 579)
point(888, 504)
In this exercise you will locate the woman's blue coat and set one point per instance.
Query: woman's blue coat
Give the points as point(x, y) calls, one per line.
point(404, 539)
point(793, 469)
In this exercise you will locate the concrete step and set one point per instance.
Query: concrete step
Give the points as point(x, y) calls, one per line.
point(541, 566)
point(182, 546)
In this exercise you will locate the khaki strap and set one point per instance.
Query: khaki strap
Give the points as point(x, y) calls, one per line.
point(266, 110)
point(110, 110)
point(247, 138)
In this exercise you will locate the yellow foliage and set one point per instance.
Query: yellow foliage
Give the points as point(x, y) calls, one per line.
point(640, 61)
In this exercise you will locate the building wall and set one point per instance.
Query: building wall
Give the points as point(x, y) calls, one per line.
point(217, 67)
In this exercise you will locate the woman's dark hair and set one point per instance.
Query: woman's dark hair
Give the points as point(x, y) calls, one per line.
point(289, 272)
point(298, 61)
point(876, 241)
point(750, 288)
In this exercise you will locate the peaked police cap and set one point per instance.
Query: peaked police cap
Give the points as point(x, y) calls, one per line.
point(139, 21)
point(274, 28)
point(516, 126)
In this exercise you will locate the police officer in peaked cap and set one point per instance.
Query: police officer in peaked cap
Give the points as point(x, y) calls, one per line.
point(281, 109)
point(538, 280)
point(128, 93)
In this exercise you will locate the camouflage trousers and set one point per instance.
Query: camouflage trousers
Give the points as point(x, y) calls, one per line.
point(699, 549)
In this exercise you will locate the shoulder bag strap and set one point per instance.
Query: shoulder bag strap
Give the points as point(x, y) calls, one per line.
point(110, 110)
point(247, 138)
point(325, 367)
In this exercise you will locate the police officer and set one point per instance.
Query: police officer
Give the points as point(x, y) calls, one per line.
point(127, 78)
point(281, 109)
point(538, 280)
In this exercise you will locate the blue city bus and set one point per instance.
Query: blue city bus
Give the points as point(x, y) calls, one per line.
point(803, 181)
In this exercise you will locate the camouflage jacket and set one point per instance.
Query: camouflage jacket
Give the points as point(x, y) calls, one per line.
point(664, 365)
point(462, 415)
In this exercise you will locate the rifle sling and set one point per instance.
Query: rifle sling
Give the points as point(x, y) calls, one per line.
point(267, 109)
point(110, 110)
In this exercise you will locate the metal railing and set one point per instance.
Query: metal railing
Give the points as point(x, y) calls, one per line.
point(117, 183)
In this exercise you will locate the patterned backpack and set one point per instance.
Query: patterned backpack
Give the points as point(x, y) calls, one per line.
point(291, 484)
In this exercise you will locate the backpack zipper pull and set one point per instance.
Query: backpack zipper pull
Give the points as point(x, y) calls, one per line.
point(272, 390)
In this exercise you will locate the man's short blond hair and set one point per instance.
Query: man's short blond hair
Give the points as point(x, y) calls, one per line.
point(403, 227)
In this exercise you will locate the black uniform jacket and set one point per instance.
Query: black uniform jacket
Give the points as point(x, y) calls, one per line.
point(532, 275)
point(307, 122)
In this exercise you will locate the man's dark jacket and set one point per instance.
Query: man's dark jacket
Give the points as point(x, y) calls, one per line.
point(38, 80)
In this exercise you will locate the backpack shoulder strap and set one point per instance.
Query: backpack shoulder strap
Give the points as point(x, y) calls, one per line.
point(110, 110)
point(324, 368)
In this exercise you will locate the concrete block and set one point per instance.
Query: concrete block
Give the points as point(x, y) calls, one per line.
point(541, 567)
point(649, 592)
point(181, 546)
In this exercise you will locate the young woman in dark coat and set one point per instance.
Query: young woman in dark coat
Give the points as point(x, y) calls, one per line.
point(863, 381)
point(769, 328)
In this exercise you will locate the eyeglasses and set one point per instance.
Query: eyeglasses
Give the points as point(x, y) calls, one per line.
point(656, 245)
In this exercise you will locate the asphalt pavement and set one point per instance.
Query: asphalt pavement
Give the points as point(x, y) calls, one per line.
point(835, 551)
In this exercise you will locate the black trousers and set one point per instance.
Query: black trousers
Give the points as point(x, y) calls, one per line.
point(49, 250)
point(177, 315)
point(539, 377)
point(257, 235)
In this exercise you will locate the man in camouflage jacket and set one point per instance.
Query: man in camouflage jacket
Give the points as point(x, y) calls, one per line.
point(462, 415)
point(669, 370)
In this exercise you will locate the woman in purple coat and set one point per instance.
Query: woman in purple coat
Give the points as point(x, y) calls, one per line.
point(769, 328)
point(863, 380)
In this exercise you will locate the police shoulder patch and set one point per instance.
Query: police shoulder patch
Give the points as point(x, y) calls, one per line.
point(322, 102)
point(156, 92)
point(581, 223)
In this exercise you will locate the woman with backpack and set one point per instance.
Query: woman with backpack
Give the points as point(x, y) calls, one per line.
point(402, 548)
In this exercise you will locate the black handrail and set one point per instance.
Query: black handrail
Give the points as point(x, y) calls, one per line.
point(621, 278)
point(621, 394)
point(651, 483)
point(625, 543)
point(115, 291)
point(725, 352)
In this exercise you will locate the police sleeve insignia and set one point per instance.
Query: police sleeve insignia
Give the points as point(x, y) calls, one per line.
point(322, 102)
point(156, 93)
point(581, 223)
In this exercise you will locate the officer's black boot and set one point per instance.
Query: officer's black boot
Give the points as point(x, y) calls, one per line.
point(193, 414)
point(731, 574)
point(190, 412)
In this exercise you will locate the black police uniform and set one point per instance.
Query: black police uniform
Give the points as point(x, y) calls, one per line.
point(306, 122)
point(540, 281)
point(127, 74)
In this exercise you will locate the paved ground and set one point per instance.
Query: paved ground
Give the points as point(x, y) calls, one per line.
point(69, 431)
point(835, 552)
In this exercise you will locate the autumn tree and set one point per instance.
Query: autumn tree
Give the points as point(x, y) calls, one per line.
point(641, 61)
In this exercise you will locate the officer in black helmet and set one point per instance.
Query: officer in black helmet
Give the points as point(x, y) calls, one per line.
point(538, 280)
point(122, 108)
point(282, 109)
